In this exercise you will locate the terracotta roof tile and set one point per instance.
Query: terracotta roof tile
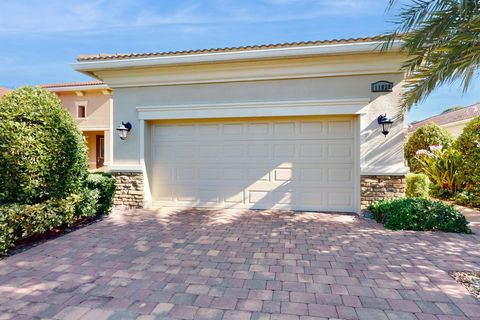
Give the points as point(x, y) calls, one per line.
point(4, 91)
point(71, 84)
point(116, 56)
point(449, 117)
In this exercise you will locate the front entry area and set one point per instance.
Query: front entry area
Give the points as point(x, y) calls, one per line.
point(291, 163)
point(96, 144)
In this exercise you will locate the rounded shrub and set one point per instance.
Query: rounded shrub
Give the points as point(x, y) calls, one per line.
point(418, 185)
point(424, 137)
point(419, 215)
point(468, 144)
point(42, 153)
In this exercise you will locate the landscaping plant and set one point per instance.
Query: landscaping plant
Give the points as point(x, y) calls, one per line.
point(43, 168)
point(419, 215)
point(468, 144)
point(418, 185)
point(42, 153)
point(441, 166)
point(427, 135)
point(104, 185)
point(440, 37)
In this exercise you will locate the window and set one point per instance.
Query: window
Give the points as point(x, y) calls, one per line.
point(81, 111)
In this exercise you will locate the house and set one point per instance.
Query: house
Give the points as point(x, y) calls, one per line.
point(4, 91)
point(91, 105)
point(454, 121)
point(287, 126)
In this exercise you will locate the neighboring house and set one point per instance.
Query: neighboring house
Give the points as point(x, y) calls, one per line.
point(4, 91)
point(287, 126)
point(454, 121)
point(90, 103)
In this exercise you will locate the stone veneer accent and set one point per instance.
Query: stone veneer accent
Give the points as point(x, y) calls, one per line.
point(129, 189)
point(374, 188)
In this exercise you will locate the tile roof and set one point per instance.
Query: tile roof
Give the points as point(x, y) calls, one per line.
point(4, 91)
point(449, 117)
point(71, 84)
point(116, 56)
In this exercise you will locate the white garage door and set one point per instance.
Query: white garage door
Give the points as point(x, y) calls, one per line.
point(305, 163)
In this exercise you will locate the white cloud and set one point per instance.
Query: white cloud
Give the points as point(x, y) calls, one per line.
point(55, 16)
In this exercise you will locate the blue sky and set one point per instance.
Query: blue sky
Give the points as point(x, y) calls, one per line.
point(39, 39)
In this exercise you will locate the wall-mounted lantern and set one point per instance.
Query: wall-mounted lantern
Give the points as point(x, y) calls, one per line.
point(385, 122)
point(124, 129)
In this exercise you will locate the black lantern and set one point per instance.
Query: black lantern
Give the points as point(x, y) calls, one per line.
point(124, 129)
point(385, 122)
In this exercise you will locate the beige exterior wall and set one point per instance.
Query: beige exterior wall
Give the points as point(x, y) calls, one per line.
point(456, 128)
point(311, 86)
point(99, 106)
point(377, 152)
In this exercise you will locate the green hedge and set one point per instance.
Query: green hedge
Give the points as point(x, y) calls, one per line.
point(19, 221)
point(104, 184)
point(418, 185)
point(419, 214)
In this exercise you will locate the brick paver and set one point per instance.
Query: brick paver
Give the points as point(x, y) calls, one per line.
point(201, 264)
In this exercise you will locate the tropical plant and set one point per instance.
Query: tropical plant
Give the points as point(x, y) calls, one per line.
point(424, 137)
point(441, 39)
point(441, 166)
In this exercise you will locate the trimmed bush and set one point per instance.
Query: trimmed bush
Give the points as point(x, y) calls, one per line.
point(42, 153)
point(424, 137)
point(419, 215)
point(104, 184)
point(418, 185)
point(19, 221)
point(468, 144)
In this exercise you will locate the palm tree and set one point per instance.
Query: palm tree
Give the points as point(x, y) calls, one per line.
point(441, 39)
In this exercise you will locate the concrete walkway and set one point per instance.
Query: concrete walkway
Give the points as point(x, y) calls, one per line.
point(200, 264)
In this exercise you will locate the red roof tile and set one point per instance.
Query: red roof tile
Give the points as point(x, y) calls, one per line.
point(449, 117)
point(71, 84)
point(4, 91)
point(116, 56)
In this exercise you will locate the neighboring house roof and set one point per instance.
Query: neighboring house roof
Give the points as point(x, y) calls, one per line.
point(117, 56)
point(74, 86)
point(70, 84)
point(4, 91)
point(449, 117)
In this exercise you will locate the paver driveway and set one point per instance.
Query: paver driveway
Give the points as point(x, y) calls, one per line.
point(240, 265)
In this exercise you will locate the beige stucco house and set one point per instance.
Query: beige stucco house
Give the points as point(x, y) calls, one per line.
point(91, 105)
point(454, 121)
point(288, 126)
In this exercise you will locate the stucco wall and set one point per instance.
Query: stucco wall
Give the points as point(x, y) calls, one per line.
point(97, 121)
point(377, 152)
point(98, 108)
point(456, 128)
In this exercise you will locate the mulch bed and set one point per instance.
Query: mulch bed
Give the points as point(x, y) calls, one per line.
point(33, 241)
point(471, 281)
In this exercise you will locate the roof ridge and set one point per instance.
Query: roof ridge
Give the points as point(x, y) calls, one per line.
point(453, 116)
point(113, 56)
point(71, 84)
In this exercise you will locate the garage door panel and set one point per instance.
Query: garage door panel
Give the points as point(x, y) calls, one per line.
point(301, 164)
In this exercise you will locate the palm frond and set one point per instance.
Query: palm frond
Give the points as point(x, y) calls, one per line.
point(442, 40)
